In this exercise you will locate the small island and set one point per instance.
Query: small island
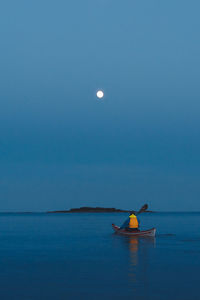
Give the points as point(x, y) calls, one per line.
point(88, 209)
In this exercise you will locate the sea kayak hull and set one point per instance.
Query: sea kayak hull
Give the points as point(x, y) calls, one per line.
point(150, 232)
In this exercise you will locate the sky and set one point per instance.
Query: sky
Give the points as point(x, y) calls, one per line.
point(61, 147)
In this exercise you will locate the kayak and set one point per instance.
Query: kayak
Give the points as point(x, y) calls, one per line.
point(149, 232)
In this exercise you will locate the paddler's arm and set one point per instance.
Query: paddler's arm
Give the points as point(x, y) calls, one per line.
point(125, 224)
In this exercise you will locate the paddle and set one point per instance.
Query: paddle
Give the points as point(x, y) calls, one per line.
point(142, 209)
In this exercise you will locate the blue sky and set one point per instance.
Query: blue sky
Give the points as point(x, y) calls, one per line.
point(60, 147)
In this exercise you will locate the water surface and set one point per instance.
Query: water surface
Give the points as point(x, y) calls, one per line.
point(68, 256)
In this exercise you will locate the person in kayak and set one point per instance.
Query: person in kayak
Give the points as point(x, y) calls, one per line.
point(132, 223)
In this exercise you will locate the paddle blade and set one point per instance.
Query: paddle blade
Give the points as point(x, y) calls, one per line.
point(143, 208)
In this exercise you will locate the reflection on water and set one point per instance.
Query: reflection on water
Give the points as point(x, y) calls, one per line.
point(138, 268)
point(133, 247)
point(139, 244)
point(139, 262)
point(45, 257)
point(133, 250)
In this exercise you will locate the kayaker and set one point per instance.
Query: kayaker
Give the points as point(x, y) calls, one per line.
point(132, 223)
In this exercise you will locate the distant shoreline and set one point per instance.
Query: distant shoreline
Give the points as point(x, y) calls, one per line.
point(92, 210)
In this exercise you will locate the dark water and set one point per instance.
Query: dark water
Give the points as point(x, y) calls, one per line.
point(76, 256)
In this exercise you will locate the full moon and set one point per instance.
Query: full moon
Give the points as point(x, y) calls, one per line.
point(100, 94)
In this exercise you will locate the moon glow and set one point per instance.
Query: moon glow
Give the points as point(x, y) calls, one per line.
point(100, 94)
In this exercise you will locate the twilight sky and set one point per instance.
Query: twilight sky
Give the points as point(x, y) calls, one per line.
point(61, 147)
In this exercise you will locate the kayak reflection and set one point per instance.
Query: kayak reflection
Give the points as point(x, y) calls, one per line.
point(133, 247)
point(137, 245)
point(139, 256)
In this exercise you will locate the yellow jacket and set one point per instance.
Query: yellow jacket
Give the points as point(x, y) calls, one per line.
point(133, 222)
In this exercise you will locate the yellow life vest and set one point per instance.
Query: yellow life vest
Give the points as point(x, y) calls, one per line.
point(133, 223)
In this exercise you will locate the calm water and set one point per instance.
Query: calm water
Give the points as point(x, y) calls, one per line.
point(76, 256)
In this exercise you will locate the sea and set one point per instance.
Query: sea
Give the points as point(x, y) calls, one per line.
point(77, 256)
